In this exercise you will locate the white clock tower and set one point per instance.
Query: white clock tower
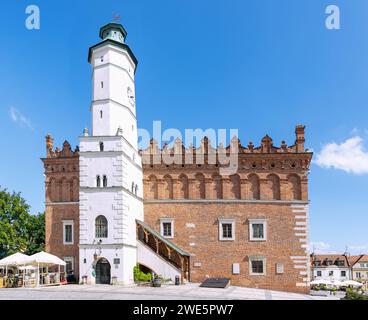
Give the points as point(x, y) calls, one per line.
point(111, 188)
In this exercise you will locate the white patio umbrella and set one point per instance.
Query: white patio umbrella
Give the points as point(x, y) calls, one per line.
point(45, 260)
point(352, 283)
point(27, 268)
point(15, 260)
point(336, 283)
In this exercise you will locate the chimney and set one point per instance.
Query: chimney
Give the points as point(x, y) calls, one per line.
point(299, 142)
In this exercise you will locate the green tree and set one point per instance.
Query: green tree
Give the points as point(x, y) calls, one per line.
point(19, 230)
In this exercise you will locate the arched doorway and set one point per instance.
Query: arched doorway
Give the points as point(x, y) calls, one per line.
point(103, 271)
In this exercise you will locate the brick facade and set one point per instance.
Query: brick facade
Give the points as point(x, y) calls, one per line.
point(62, 200)
point(270, 184)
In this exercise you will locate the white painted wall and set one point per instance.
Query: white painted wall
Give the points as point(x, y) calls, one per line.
point(119, 161)
point(116, 71)
point(336, 273)
point(147, 257)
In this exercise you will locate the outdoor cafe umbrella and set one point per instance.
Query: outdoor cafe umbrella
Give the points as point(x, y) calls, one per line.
point(45, 260)
point(352, 283)
point(336, 283)
point(15, 259)
point(320, 281)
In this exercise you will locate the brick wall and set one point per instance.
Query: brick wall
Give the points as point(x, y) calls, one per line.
point(270, 183)
point(62, 200)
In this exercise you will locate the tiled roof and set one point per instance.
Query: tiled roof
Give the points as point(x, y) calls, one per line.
point(354, 259)
point(333, 257)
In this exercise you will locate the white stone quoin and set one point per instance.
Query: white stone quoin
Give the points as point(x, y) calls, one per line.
point(110, 153)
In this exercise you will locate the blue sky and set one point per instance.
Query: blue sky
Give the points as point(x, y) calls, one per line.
point(261, 66)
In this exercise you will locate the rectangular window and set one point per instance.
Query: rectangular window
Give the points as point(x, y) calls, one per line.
point(226, 229)
point(68, 231)
point(69, 267)
point(343, 273)
point(257, 266)
point(358, 275)
point(319, 273)
point(167, 227)
point(330, 273)
point(257, 229)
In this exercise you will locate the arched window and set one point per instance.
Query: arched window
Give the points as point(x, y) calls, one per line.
point(98, 181)
point(136, 189)
point(101, 227)
point(101, 113)
point(104, 181)
point(132, 187)
point(101, 146)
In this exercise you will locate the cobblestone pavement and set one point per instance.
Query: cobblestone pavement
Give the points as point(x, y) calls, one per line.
point(169, 292)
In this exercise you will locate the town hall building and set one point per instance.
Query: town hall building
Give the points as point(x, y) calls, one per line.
point(111, 206)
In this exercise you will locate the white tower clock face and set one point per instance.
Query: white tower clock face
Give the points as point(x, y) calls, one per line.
point(131, 97)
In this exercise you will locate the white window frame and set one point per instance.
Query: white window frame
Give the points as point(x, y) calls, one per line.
point(258, 221)
point(167, 220)
point(227, 221)
point(69, 259)
point(68, 223)
point(257, 258)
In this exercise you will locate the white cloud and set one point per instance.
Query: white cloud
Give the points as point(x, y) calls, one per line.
point(349, 156)
point(18, 117)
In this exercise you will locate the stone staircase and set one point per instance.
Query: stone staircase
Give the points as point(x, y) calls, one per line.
point(161, 255)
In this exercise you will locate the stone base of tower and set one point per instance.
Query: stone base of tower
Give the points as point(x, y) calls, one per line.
point(107, 264)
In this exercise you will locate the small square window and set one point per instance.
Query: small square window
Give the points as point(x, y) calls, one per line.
point(226, 229)
point(167, 228)
point(258, 229)
point(319, 273)
point(257, 266)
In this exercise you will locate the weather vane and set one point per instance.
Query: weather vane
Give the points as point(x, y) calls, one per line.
point(116, 18)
